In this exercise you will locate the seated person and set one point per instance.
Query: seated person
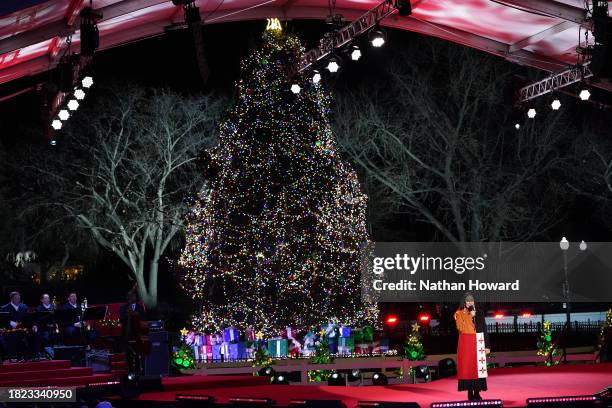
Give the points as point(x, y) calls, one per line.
point(72, 329)
point(43, 329)
point(15, 342)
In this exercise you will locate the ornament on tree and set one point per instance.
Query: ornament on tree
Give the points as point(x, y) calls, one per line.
point(606, 327)
point(313, 204)
point(546, 347)
point(413, 348)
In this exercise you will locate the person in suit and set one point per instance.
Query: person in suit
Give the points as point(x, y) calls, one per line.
point(72, 329)
point(15, 341)
point(42, 330)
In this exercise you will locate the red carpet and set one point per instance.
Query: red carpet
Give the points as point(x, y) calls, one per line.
point(512, 385)
point(51, 372)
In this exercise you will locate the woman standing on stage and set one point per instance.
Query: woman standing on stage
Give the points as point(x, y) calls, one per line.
point(472, 348)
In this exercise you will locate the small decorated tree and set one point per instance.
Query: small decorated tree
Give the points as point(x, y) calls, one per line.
point(546, 346)
point(413, 348)
point(322, 355)
point(607, 324)
point(183, 358)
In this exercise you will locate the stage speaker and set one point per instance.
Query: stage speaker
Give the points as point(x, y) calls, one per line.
point(157, 363)
point(75, 354)
point(447, 368)
point(151, 383)
point(387, 404)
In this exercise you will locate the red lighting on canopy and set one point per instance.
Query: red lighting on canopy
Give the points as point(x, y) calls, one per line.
point(498, 315)
point(525, 315)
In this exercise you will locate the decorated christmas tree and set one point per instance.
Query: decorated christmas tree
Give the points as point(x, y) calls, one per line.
point(413, 348)
point(546, 346)
point(276, 239)
point(601, 340)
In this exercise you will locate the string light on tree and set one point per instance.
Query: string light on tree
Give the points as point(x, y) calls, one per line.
point(276, 238)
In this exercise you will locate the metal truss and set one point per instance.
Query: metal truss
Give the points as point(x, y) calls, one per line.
point(555, 81)
point(346, 34)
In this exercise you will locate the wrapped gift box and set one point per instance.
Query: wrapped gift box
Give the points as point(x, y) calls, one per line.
point(333, 345)
point(363, 348)
point(216, 352)
point(368, 334)
point(357, 335)
point(203, 353)
point(231, 335)
point(346, 345)
point(278, 348)
point(345, 331)
point(237, 351)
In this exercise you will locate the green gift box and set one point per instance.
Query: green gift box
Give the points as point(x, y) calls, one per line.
point(368, 334)
point(278, 348)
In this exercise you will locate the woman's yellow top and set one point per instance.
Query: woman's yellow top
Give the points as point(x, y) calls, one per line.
point(464, 321)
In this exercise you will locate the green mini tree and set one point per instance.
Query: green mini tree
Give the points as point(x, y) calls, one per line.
point(413, 348)
point(546, 347)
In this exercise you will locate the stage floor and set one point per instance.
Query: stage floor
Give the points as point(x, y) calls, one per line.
point(512, 385)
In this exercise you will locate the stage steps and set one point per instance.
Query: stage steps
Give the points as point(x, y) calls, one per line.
point(50, 372)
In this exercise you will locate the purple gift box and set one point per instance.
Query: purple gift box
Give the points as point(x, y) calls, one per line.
point(231, 334)
point(237, 351)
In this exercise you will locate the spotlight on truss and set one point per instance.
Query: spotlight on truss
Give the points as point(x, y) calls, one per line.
point(295, 88)
point(87, 81)
point(316, 77)
point(333, 65)
point(63, 114)
point(584, 94)
point(517, 126)
point(79, 94)
point(73, 105)
point(56, 124)
point(556, 104)
point(52, 142)
point(355, 53)
point(377, 38)
point(531, 113)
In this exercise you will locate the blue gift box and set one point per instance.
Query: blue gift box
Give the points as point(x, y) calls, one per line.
point(237, 351)
point(231, 334)
point(333, 345)
point(384, 345)
point(278, 348)
point(345, 331)
point(216, 352)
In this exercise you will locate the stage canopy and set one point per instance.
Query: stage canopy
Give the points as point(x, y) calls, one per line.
point(538, 33)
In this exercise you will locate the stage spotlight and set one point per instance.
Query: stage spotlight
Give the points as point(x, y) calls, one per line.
point(354, 375)
point(377, 38)
point(584, 94)
point(579, 401)
point(447, 368)
point(280, 378)
point(87, 82)
point(266, 372)
point(316, 403)
point(336, 379)
point(53, 142)
point(422, 372)
point(531, 113)
point(333, 65)
point(498, 315)
point(482, 403)
point(517, 126)
point(316, 77)
point(63, 114)
point(387, 404)
point(56, 124)
point(556, 104)
point(355, 53)
point(79, 94)
point(295, 88)
point(525, 315)
point(73, 105)
point(379, 379)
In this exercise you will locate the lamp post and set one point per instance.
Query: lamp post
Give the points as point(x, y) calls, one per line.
point(564, 245)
